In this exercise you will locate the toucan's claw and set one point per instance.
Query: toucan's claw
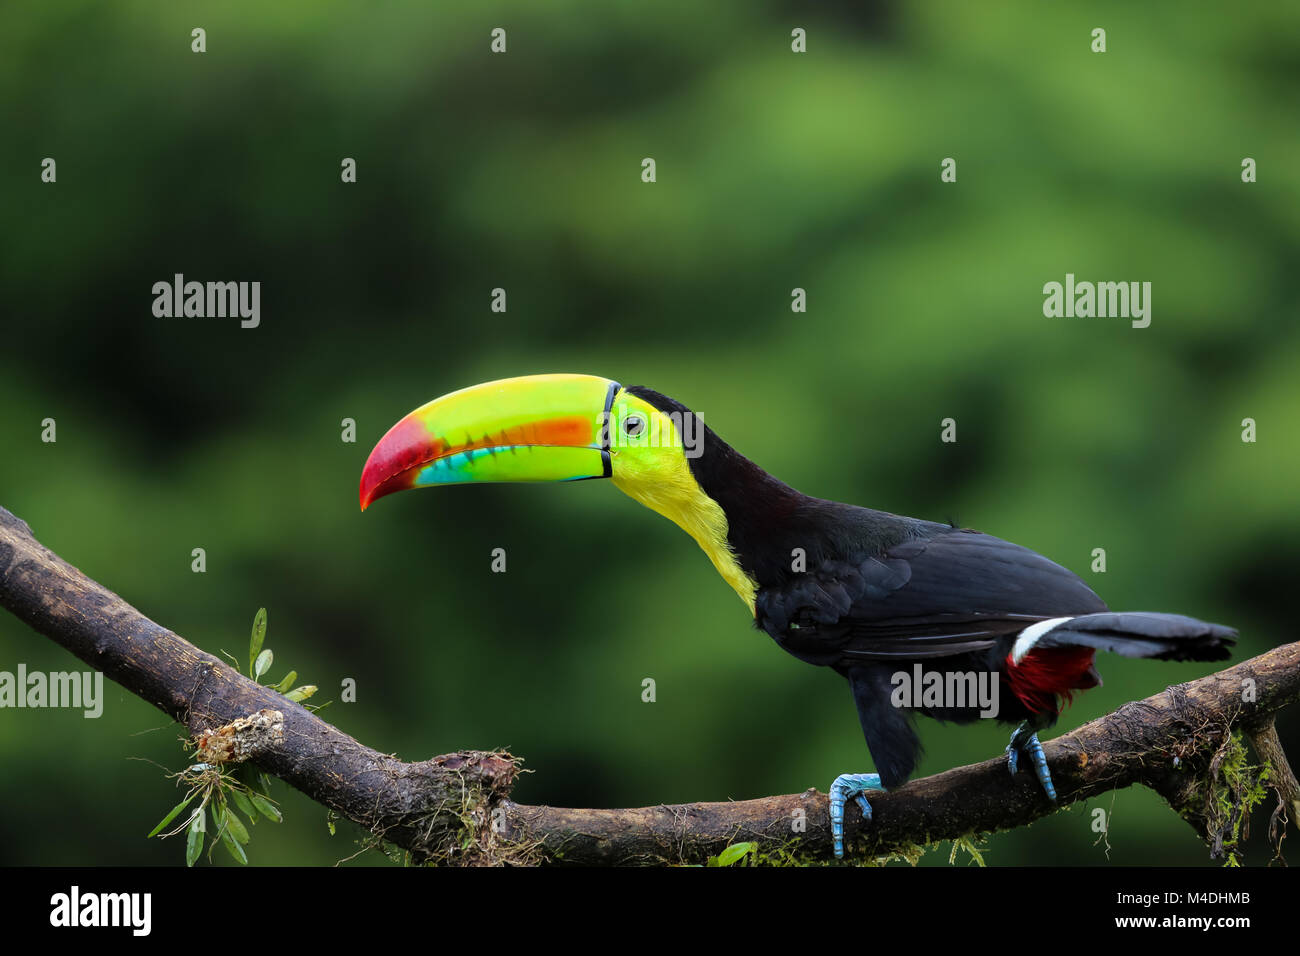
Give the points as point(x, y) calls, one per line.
point(845, 787)
point(1025, 740)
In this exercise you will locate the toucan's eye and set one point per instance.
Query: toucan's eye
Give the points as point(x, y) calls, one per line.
point(633, 425)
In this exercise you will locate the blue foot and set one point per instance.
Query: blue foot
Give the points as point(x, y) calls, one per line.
point(1025, 740)
point(845, 787)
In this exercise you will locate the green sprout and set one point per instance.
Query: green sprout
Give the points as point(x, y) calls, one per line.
point(220, 792)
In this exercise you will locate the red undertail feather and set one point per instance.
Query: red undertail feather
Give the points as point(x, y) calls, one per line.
point(1044, 673)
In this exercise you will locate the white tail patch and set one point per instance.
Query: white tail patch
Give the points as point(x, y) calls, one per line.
point(1030, 635)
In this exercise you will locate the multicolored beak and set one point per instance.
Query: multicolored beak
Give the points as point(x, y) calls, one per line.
point(532, 428)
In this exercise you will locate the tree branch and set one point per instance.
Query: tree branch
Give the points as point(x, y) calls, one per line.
point(456, 807)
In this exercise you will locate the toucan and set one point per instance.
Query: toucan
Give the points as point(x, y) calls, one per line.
point(877, 597)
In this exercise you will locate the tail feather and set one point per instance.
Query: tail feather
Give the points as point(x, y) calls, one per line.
point(1164, 637)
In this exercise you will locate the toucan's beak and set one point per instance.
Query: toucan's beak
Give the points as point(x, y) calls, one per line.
point(533, 428)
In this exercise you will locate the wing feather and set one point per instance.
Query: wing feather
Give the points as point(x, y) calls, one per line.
point(956, 592)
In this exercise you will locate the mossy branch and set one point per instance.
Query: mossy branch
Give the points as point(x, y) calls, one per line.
point(456, 807)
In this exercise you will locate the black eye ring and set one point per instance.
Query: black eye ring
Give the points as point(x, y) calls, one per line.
point(633, 425)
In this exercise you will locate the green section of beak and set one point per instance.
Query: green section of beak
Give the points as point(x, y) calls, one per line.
point(532, 428)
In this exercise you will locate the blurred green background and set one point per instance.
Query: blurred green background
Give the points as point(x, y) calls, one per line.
point(522, 171)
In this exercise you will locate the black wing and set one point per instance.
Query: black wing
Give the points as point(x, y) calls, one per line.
point(956, 592)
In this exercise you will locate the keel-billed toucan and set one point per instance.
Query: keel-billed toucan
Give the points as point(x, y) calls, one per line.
point(870, 594)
